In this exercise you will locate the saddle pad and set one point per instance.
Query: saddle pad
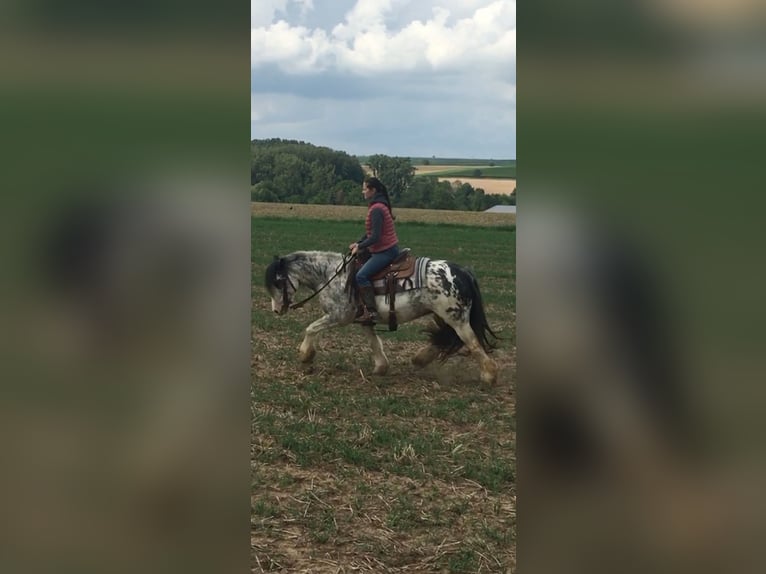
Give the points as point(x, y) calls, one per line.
point(416, 281)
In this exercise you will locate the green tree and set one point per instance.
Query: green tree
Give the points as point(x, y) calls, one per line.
point(321, 179)
point(349, 192)
point(290, 176)
point(261, 166)
point(476, 202)
point(396, 173)
point(299, 171)
point(463, 193)
point(443, 196)
point(264, 191)
point(419, 193)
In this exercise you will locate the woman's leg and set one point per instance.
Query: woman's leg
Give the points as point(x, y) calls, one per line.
point(375, 263)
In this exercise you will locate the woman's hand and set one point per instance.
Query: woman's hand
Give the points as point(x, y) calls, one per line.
point(354, 248)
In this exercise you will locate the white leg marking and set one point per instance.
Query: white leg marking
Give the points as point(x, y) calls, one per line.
point(487, 365)
point(381, 362)
point(307, 349)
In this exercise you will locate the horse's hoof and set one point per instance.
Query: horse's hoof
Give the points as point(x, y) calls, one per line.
point(308, 356)
point(489, 379)
point(380, 370)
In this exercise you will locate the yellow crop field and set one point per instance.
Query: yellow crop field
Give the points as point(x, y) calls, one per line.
point(500, 186)
point(489, 185)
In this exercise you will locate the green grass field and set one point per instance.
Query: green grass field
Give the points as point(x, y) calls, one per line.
point(413, 471)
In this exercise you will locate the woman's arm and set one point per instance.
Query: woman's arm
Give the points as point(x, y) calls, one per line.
point(376, 224)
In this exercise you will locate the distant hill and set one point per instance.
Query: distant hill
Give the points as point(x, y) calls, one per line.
point(461, 161)
point(453, 161)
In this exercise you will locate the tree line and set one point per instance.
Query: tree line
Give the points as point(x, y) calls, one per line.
point(290, 171)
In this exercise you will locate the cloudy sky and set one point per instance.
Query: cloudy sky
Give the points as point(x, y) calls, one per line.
point(397, 77)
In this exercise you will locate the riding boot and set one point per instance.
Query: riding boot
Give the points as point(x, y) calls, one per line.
point(369, 314)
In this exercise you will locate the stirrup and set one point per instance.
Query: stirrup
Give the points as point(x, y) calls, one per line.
point(366, 318)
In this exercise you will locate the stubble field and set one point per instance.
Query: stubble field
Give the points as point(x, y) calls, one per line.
point(403, 215)
point(413, 471)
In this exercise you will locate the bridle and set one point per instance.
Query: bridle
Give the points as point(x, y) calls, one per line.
point(286, 279)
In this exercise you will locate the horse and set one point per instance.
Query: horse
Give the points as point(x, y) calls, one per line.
point(447, 291)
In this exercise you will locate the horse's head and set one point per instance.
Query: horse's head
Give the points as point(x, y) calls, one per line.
point(279, 285)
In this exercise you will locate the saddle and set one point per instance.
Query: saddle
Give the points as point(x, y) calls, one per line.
point(403, 266)
point(386, 281)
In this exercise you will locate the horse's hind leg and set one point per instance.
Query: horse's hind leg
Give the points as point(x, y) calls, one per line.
point(425, 356)
point(487, 365)
point(381, 362)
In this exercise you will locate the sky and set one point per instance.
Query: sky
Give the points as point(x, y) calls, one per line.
point(412, 78)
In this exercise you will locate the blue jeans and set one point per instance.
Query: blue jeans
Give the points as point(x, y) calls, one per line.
point(375, 263)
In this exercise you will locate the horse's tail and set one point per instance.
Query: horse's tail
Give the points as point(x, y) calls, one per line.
point(444, 337)
point(479, 322)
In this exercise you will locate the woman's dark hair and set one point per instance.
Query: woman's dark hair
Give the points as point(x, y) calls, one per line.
point(377, 185)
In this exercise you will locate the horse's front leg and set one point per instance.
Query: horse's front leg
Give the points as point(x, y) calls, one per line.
point(381, 361)
point(307, 349)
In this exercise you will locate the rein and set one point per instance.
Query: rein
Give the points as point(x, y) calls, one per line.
point(338, 271)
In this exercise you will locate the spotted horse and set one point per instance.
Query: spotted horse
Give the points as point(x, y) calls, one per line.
point(441, 288)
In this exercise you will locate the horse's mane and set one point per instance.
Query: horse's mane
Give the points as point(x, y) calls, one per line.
point(311, 254)
point(272, 270)
point(279, 264)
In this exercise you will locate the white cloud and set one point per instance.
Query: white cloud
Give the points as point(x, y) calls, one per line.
point(401, 77)
point(282, 109)
point(262, 12)
point(295, 49)
point(303, 7)
point(383, 125)
point(362, 44)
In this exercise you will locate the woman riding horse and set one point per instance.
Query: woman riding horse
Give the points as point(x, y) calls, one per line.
point(443, 289)
point(381, 242)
